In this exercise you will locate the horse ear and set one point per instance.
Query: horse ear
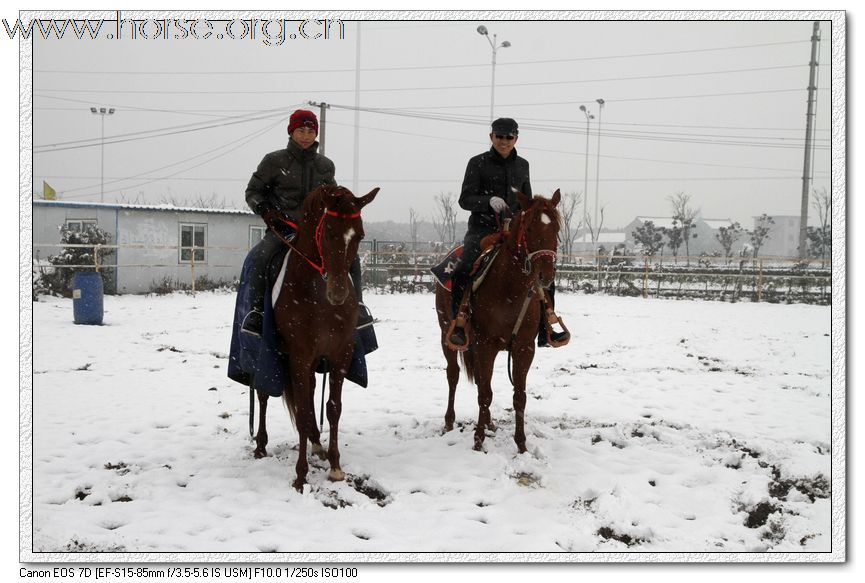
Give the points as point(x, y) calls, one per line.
point(524, 200)
point(557, 197)
point(367, 198)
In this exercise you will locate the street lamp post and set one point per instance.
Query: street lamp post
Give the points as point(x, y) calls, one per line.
point(598, 162)
point(482, 30)
point(589, 116)
point(102, 112)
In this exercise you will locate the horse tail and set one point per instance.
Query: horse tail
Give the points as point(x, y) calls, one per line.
point(288, 401)
point(468, 361)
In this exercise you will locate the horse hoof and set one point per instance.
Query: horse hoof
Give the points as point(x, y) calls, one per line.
point(336, 475)
point(259, 453)
point(521, 447)
point(479, 445)
point(298, 485)
point(448, 427)
point(319, 451)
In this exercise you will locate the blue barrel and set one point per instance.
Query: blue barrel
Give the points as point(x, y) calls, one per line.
point(87, 297)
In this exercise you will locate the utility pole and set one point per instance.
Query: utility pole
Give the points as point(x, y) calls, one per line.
point(809, 131)
point(321, 124)
point(356, 170)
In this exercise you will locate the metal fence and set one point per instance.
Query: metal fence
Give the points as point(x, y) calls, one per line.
point(399, 266)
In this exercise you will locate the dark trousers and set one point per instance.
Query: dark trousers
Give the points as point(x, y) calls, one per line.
point(263, 255)
point(460, 277)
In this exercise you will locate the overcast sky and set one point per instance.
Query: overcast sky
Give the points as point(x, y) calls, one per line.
point(714, 109)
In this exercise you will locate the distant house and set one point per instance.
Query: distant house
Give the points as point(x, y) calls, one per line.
point(155, 242)
point(606, 239)
point(783, 238)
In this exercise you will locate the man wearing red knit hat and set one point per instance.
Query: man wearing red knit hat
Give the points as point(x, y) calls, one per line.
point(276, 191)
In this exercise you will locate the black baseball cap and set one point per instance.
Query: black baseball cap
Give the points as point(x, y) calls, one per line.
point(505, 126)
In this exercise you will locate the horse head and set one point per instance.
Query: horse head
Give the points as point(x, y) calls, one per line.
point(537, 235)
point(337, 236)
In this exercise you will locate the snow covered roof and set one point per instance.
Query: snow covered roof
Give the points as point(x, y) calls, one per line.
point(147, 207)
point(718, 223)
point(611, 237)
point(666, 222)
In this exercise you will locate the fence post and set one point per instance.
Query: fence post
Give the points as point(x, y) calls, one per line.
point(375, 261)
point(760, 282)
point(192, 267)
point(96, 256)
point(646, 277)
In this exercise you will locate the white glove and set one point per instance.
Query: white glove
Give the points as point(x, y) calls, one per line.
point(498, 204)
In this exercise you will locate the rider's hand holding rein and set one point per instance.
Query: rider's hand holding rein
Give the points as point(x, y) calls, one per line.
point(498, 204)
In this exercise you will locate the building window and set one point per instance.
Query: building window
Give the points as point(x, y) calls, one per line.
point(256, 234)
point(78, 225)
point(193, 239)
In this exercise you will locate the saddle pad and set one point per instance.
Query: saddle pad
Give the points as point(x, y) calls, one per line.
point(482, 266)
point(444, 270)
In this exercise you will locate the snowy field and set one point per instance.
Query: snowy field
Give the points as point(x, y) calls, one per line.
point(665, 426)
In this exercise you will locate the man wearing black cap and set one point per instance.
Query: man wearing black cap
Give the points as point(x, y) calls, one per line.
point(276, 191)
point(488, 192)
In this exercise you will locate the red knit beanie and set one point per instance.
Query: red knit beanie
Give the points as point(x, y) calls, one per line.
point(300, 118)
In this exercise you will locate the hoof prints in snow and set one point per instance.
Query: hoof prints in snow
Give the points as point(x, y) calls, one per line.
point(368, 488)
point(608, 533)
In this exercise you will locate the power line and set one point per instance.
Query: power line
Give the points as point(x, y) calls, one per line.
point(420, 67)
point(422, 88)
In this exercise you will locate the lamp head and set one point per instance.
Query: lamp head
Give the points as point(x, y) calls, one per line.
point(582, 108)
point(92, 110)
point(483, 30)
point(506, 44)
point(600, 102)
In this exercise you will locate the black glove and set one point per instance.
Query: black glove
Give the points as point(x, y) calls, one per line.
point(272, 217)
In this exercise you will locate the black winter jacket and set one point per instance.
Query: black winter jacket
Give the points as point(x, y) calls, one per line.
point(285, 177)
point(489, 175)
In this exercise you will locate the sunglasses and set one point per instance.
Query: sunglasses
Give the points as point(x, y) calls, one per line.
point(508, 138)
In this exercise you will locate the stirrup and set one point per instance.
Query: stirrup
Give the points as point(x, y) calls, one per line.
point(556, 339)
point(253, 323)
point(460, 322)
point(364, 316)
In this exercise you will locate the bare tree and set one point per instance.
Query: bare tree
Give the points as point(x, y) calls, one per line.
point(445, 217)
point(568, 206)
point(413, 226)
point(760, 234)
point(685, 214)
point(821, 237)
point(595, 230)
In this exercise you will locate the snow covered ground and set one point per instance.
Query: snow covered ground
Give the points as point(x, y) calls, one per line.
point(665, 426)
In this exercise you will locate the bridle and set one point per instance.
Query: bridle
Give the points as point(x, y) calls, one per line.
point(522, 245)
point(320, 267)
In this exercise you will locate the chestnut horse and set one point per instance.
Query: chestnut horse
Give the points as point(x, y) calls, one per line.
point(505, 311)
point(316, 315)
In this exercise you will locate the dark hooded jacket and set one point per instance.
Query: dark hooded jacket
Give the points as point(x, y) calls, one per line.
point(285, 177)
point(489, 175)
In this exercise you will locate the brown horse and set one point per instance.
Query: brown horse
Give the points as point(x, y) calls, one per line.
point(505, 311)
point(316, 314)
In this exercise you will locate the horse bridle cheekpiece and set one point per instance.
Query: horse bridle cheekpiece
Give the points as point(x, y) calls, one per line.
point(528, 215)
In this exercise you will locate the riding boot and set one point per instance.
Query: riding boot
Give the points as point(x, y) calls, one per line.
point(543, 340)
point(253, 322)
point(263, 253)
point(459, 282)
point(364, 316)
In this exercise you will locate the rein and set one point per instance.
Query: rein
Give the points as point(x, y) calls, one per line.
point(319, 234)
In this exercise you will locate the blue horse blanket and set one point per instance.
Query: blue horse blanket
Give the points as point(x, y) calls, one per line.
point(258, 363)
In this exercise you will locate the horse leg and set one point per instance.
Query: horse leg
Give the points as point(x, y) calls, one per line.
point(261, 435)
point(522, 361)
point(305, 420)
point(484, 358)
point(315, 435)
point(453, 373)
point(334, 410)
